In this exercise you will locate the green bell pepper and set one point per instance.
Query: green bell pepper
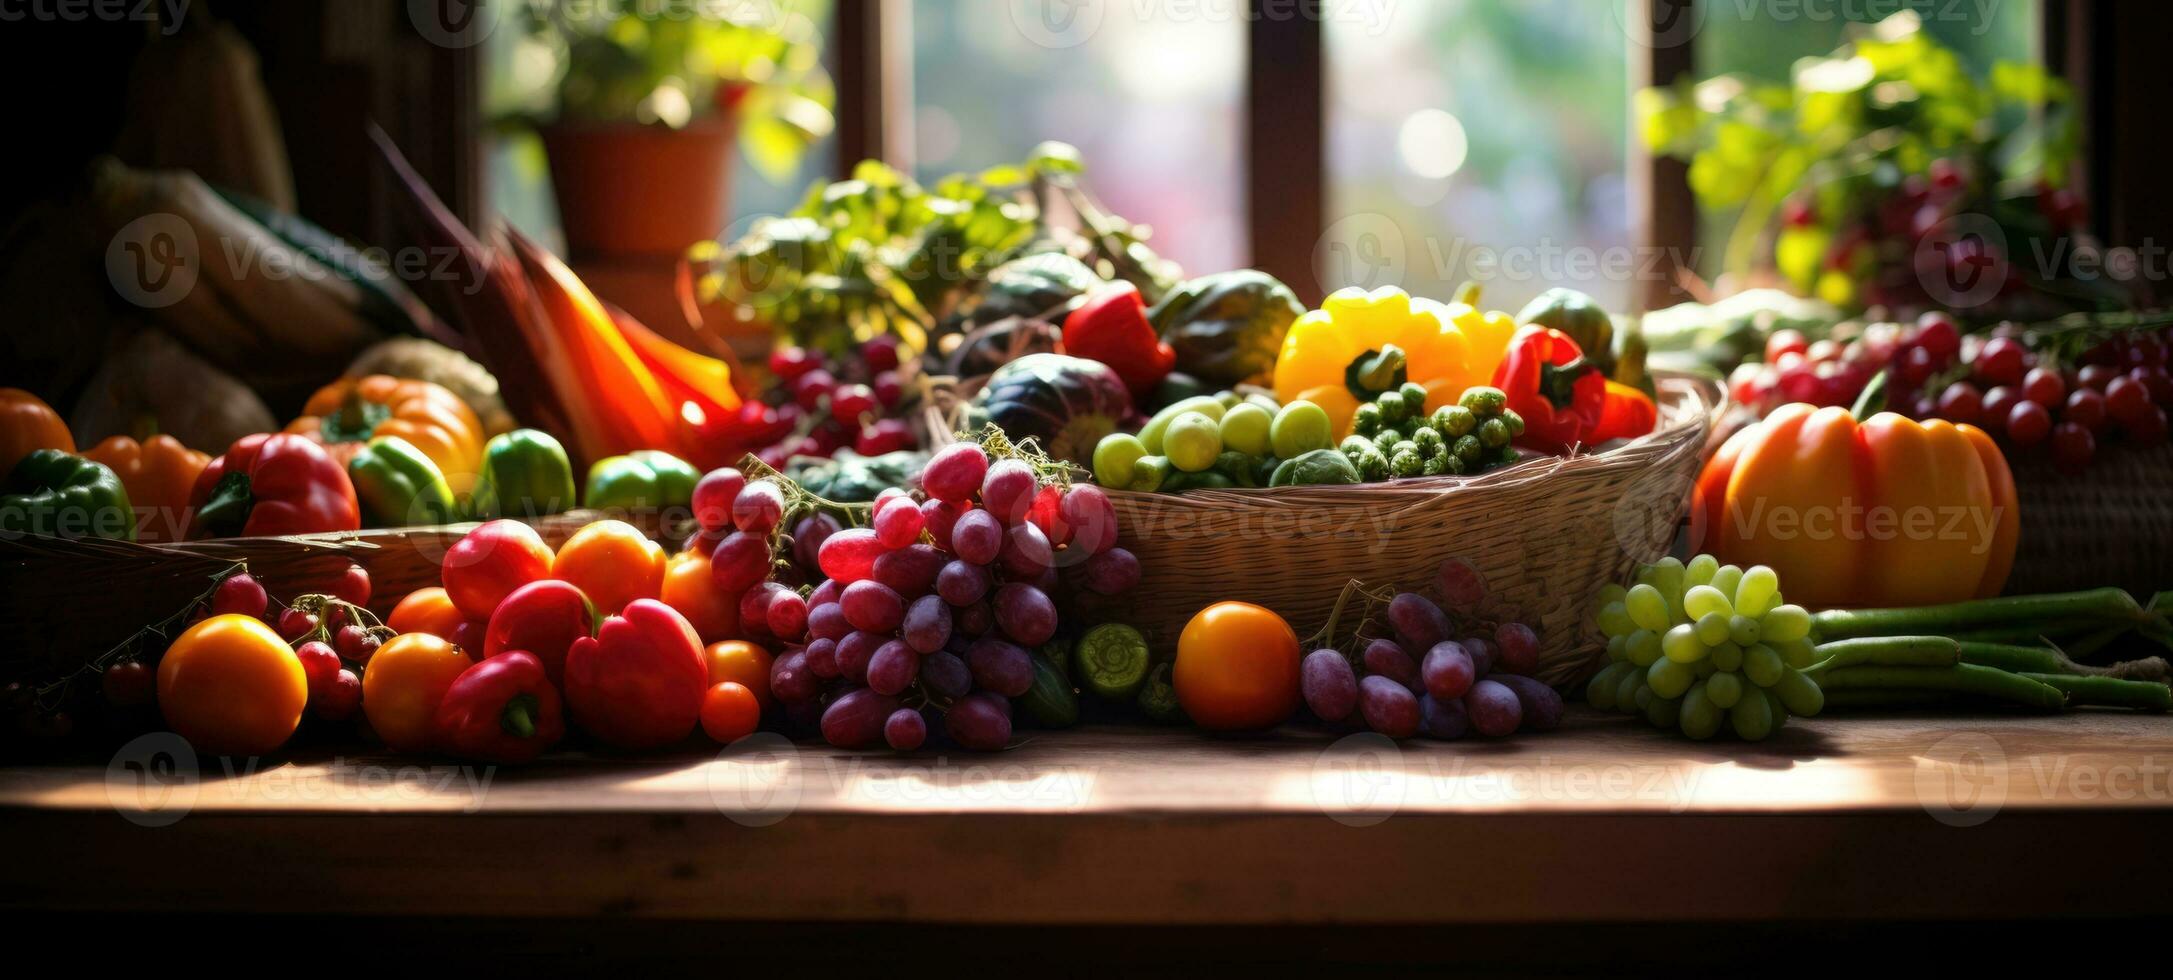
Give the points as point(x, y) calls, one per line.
point(63, 495)
point(525, 474)
point(398, 486)
point(645, 479)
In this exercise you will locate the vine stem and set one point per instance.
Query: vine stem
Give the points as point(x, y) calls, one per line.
point(1373, 598)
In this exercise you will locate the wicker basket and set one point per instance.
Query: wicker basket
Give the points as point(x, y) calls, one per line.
point(1545, 535)
point(65, 602)
point(2112, 525)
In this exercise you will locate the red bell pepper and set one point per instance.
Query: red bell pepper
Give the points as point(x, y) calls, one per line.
point(1626, 414)
point(1112, 327)
point(1552, 386)
point(638, 683)
point(273, 483)
point(502, 709)
point(542, 619)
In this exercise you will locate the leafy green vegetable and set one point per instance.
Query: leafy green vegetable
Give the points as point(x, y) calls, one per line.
point(1228, 327)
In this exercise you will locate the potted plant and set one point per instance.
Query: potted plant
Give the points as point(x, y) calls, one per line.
point(648, 104)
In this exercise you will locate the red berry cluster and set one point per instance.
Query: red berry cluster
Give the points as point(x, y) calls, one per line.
point(820, 406)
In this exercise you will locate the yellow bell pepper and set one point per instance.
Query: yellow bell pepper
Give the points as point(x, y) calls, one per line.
point(1359, 344)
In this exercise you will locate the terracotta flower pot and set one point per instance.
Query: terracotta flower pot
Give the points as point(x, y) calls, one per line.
point(628, 189)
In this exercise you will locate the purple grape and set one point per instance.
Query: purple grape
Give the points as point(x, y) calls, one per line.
point(1418, 622)
point(854, 652)
point(1026, 551)
point(974, 620)
point(905, 730)
point(754, 609)
point(787, 615)
point(855, 721)
point(1440, 719)
point(1004, 668)
point(792, 681)
point(1494, 708)
point(1389, 707)
point(1459, 584)
point(1542, 705)
point(911, 570)
point(1519, 648)
point(955, 471)
point(1485, 656)
point(740, 561)
point(821, 657)
point(980, 721)
point(1025, 613)
point(808, 536)
point(1329, 684)
point(892, 668)
point(1008, 490)
point(1448, 670)
point(939, 515)
point(1113, 572)
point(927, 624)
point(945, 674)
point(978, 537)
point(825, 593)
point(962, 583)
point(827, 621)
point(1092, 517)
point(1385, 659)
point(872, 606)
point(758, 507)
point(897, 522)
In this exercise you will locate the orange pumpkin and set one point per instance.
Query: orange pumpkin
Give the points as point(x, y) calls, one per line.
point(347, 413)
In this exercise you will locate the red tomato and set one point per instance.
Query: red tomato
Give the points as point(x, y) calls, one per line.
point(486, 565)
point(1237, 667)
point(730, 712)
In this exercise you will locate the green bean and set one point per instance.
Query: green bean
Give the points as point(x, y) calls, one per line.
point(2022, 610)
point(2020, 659)
point(2109, 692)
point(2027, 634)
point(1853, 699)
point(1888, 651)
point(1961, 679)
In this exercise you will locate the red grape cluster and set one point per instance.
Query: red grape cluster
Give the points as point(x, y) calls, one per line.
point(930, 612)
point(1994, 382)
point(821, 406)
point(1459, 680)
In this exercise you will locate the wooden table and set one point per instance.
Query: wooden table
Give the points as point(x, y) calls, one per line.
point(1605, 821)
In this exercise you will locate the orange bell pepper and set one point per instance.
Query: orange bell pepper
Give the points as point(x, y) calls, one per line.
point(1626, 413)
point(159, 474)
point(1884, 512)
point(346, 414)
point(27, 423)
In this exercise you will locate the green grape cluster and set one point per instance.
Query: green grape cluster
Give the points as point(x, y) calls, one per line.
point(1393, 436)
point(1702, 646)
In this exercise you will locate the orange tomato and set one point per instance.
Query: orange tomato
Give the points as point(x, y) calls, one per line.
point(406, 680)
point(1237, 667)
point(730, 712)
point(159, 474)
point(488, 563)
point(27, 423)
point(689, 589)
point(740, 662)
point(429, 611)
point(231, 686)
point(613, 563)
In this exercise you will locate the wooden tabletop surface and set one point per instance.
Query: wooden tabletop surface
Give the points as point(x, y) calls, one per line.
point(1606, 820)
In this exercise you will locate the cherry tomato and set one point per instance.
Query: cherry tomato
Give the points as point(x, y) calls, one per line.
point(1785, 341)
point(612, 563)
point(407, 679)
point(2045, 387)
point(743, 663)
point(1961, 403)
point(426, 611)
point(1237, 667)
point(2028, 423)
point(2072, 447)
point(295, 624)
point(353, 585)
point(490, 562)
point(128, 684)
point(2126, 400)
point(338, 701)
point(689, 588)
point(2086, 408)
point(730, 712)
point(239, 593)
point(2002, 361)
point(232, 687)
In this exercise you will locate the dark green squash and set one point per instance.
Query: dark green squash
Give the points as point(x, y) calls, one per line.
point(1227, 328)
point(1065, 403)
